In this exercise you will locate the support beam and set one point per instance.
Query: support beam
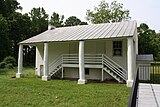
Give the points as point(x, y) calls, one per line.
point(20, 62)
point(62, 73)
point(81, 63)
point(102, 75)
point(130, 62)
point(102, 69)
point(45, 76)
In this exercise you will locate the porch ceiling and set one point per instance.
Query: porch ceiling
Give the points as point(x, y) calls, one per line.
point(85, 32)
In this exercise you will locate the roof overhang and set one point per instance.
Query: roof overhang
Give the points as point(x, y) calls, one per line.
point(85, 32)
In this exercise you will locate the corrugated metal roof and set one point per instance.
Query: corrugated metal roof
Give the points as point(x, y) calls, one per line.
point(144, 57)
point(84, 32)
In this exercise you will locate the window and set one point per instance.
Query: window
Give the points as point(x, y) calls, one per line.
point(117, 48)
point(86, 71)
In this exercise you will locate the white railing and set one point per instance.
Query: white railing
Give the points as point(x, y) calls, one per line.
point(88, 58)
point(97, 59)
point(116, 68)
point(57, 62)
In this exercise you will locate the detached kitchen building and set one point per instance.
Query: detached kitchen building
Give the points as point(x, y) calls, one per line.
point(96, 51)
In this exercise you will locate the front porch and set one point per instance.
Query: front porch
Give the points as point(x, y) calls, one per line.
point(51, 63)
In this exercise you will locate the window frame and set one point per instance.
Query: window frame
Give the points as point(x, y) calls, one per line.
point(119, 46)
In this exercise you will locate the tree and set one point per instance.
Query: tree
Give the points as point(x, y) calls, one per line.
point(147, 40)
point(4, 40)
point(74, 21)
point(39, 20)
point(106, 13)
point(7, 7)
point(39, 24)
point(56, 20)
point(143, 29)
point(156, 44)
point(19, 29)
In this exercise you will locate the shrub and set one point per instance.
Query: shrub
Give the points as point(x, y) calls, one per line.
point(9, 66)
point(3, 64)
point(10, 60)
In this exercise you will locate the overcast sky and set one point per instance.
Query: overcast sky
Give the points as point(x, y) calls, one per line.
point(146, 11)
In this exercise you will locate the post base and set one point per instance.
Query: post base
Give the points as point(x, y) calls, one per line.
point(45, 78)
point(19, 75)
point(129, 83)
point(81, 81)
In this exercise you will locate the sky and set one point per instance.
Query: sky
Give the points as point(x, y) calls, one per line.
point(143, 11)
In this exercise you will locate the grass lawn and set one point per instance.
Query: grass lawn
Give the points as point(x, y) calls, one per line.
point(155, 74)
point(32, 92)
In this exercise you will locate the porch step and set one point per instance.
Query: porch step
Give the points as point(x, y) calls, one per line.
point(113, 75)
point(56, 72)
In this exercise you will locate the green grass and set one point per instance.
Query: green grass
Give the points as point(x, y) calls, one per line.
point(32, 92)
point(155, 74)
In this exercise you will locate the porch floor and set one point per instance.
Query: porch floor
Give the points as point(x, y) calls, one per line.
point(148, 95)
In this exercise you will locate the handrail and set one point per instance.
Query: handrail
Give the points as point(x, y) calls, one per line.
point(55, 63)
point(133, 94)
point(115, 69)
point(114, 63)
point(55, 60)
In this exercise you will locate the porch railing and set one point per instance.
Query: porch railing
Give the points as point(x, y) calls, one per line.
point(91, 59)
point(88, 59)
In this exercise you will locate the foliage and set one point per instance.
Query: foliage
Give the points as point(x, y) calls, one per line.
point(74, 21)
point(39, 19)
point(4, 39)
point(3, 64)
point(9, 66)
point(57, 20)
point(8, 7)
point(106, 13)
point(10, 60)
point(19, 29)
point(143, 29)
point(156, 45)
point(148, 41)
point(30, 91)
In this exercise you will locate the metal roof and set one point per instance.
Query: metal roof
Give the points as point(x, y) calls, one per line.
point(86, 32)
point(144, 57)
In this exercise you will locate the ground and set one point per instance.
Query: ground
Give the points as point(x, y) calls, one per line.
point(31, 91)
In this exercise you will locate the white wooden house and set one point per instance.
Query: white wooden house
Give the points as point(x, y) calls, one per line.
point(96, 51)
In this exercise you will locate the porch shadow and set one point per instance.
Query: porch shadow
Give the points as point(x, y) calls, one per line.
point(111, 81)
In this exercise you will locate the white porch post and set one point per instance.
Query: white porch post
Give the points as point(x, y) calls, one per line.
point(20, 62)
point(130, 58)
point(81, 63)
point(45, 63)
